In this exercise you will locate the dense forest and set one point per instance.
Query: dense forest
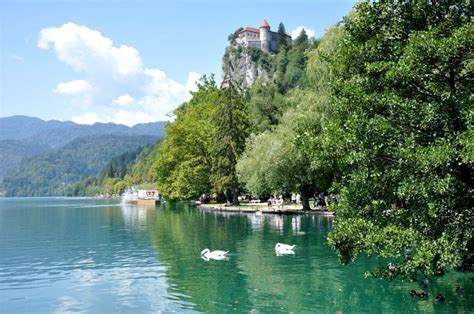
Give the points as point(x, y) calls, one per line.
point(42, 158)
point(378, 111)
point(132, 168)
point(57, 172)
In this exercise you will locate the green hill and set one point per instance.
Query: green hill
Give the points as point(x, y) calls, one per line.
point(22, 137)
point(54, 172)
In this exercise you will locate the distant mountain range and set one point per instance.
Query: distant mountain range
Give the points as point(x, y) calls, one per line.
point(55, 133)
point(23, 137)
point(41, 158)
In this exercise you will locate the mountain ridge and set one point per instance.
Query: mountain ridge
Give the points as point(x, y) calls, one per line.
point(24, 137)
point(52, 172)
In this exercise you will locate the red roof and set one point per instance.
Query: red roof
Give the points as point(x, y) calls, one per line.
point(250, 29)
point(265, 24)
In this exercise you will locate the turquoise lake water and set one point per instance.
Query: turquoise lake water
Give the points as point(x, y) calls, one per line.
point(97, 256)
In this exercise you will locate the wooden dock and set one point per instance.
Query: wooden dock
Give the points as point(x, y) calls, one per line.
point(264, 209)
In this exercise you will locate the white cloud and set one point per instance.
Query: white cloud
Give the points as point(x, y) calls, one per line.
point(131, 118)
point(116, 73)
point(16, 57)
point(86, 118)
point(191, 83)
point(297, 31)
point(124, 100)
point(87, 50)
point(76, 87)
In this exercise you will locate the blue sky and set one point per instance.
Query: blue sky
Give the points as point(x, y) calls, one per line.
point(126, 61)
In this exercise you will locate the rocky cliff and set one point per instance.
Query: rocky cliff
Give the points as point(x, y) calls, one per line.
point(245, 65)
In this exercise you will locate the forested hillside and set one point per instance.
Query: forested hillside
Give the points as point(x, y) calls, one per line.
point(378, 112)
point(132, 168)
point(24, 137)
point(54, 172)
point(12, 152)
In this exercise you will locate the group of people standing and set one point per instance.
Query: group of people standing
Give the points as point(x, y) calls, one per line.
point(320, 200)
point(274, 200)
point(296, 198)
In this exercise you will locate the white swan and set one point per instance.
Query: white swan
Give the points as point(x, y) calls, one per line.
point(284, 249)
point(206, 254)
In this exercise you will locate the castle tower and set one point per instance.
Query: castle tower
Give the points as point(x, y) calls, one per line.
point(265, 36)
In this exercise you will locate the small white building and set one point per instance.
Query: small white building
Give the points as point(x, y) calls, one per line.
point(262, 38)
point(148, 194)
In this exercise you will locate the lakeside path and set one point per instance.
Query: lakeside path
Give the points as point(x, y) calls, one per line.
point(264, 209)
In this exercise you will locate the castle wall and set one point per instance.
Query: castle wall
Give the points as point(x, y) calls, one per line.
point(266, 40)
point(254, 43)
point(273, 42)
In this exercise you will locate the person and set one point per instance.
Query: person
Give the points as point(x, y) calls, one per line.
point(293, 198)
point(298, 198)
point(321, 200)
point(315, 200)
point(270, 201)
point(330, 199)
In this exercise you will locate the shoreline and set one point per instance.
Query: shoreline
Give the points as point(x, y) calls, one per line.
point(264, 209)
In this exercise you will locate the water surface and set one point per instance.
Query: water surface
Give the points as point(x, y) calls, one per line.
point(87, 255)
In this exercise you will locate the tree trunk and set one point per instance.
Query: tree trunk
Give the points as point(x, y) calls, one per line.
point(229, 196)
point(235, 195)
point(305, 195)
point(221, 197)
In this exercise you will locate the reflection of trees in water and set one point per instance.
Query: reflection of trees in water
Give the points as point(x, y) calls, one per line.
point(179, 239)
point(254, 277)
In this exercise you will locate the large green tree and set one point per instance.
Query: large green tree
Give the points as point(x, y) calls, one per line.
point(183, 164)
point(274, 160)
point(232, 126)
point(281, 33)
point(402, 136)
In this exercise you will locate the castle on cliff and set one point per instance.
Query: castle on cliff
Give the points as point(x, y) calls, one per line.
point(262, 38)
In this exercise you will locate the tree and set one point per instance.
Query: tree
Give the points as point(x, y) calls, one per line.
point(402, 134)
point(232, 126)
point(183, 164)
point(274, 162)
point(232, 37)
point(295, 70)
point(282, 42)
point(302, 41)
point(265, 105)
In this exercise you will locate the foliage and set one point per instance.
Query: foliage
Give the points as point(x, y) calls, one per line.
point(14, 151)
point(232, 37)
point(232, 126)
point(288, 158)
point(23, 137)
point(281, 33)
point(378, 111)
point(266, 105)
point(53, 173)
point(295, 70)
point(402, 133)
point(132, 168)
point(183, 165)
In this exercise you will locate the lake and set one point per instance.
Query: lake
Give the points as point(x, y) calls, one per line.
point(89, 255)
